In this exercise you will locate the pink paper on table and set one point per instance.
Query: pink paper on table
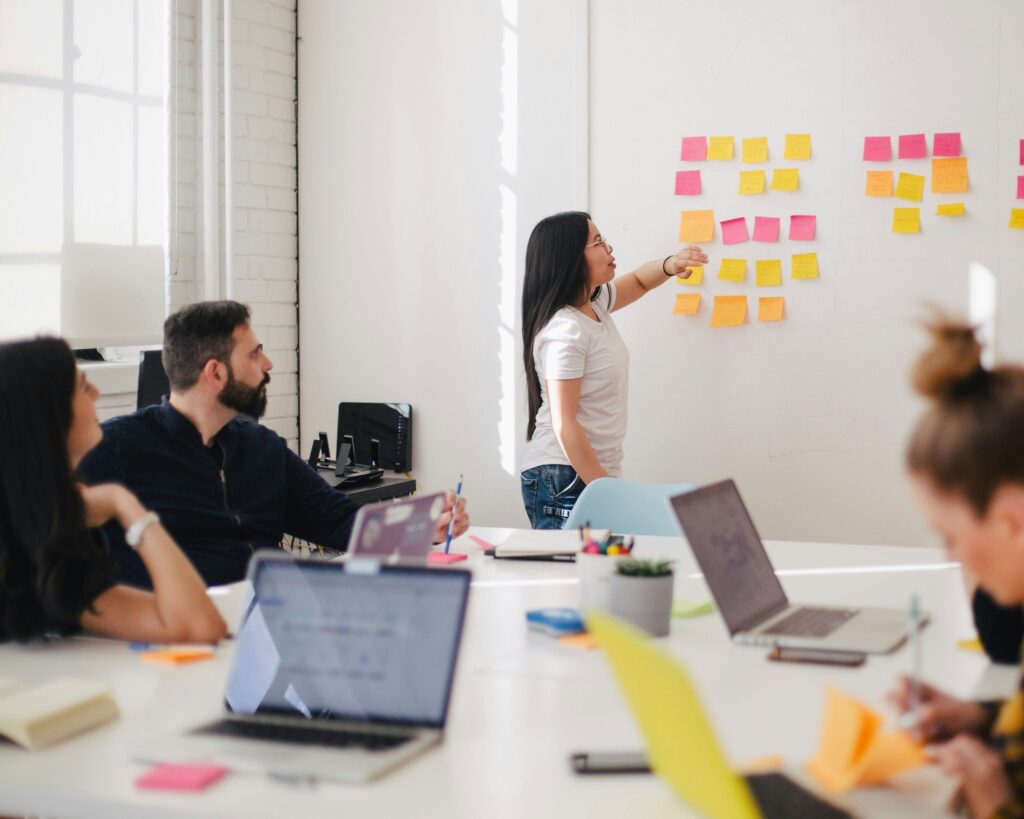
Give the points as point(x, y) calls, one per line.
point(1020, 187)
point(877, 149)
point(180, 777)
point(946, 145)
point(913, 146)
point(766, 229)
point(802, 227)
point(734, 231)
point(695, 149)
point(1022, 152)
point(687, 183)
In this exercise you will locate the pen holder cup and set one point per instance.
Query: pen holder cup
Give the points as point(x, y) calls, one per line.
point(646, 602)
point(595, 574)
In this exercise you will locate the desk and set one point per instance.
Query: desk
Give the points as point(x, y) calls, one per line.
point(522, 702)
point(394, 485)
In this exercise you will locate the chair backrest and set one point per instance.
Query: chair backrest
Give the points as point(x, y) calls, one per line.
point(627, 508)
point(153, 384)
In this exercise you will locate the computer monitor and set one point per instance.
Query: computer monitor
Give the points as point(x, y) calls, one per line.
point(153, 383)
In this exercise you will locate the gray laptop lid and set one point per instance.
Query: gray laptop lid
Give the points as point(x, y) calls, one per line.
point(730, 554)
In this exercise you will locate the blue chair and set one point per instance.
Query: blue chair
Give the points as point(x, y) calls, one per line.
point(627, 508)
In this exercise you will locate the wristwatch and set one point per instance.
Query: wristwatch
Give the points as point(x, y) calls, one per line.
point(133, 536)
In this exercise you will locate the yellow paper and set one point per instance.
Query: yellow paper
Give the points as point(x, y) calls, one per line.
point(906, 220)
point(949, 175)
point(695, 278)
point(770, 308)
point(879, 183)
point(687, 304)
point(1017, 218)
point(733, 270)
point(786, 179)
point(950, 209)
point(769, 272)
point(910, 186)
point(755, 149)
point(751, 182)
point(974, 644)
point(697, 226)
point(805, 265)
point(798, 146)
point(720, 147)
point(729, 311)
point(888, 755)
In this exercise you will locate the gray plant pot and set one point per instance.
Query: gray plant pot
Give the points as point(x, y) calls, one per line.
point(646, 602)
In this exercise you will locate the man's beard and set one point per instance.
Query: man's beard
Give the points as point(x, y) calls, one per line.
point(251, 401)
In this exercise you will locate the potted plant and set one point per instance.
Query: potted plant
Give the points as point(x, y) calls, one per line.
point(641, 593)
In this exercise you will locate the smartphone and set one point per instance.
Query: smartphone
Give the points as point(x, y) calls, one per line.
point(825, 656)
point(610, 762)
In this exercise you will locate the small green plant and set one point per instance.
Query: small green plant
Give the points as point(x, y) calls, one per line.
point(644, 568)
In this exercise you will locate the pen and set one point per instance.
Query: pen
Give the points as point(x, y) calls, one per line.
point(915, 636)
point(455, 508)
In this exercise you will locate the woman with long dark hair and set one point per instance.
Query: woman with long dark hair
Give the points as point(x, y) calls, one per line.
point(55, 574)
point(577, 366)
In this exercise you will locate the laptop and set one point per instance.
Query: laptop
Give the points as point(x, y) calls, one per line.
point(340, 671)
point(749, 595)
point(681, 743)
point(398, 531)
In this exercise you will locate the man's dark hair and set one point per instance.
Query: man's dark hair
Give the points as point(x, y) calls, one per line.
point(197, 333)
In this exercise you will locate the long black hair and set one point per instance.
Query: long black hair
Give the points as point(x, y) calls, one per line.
point(50, 565)
point(556, 277)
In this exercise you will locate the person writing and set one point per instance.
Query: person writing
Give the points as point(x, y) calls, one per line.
point(577, 366)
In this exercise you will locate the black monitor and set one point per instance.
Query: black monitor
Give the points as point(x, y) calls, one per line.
point(153, 384)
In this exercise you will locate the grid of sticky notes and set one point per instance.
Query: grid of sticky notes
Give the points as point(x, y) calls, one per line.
point(697, 225)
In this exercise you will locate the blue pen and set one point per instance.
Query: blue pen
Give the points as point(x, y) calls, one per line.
point(448, 537)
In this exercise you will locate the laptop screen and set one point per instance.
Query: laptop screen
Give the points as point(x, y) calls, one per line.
point(322, 640)
point(730, 554)
point(403, 529)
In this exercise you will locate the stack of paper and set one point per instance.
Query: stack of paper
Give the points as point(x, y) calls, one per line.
point(545, 542)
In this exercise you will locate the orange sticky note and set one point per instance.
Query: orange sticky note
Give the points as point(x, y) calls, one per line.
point(733, 270)
point(755, 149)
point(583, 641)
point(906, 220)
point(950, 175)
point(786, 179)
point(879, 183)
point(176, 656)
point(720, 147)
point(687, 304)
point(798, 146)
point(805, 265)
point(768, 272)
point(729, 311)
point(696, 226)
point(910, 186)
point(770, 308)
point(695, 278)
point(751, 182)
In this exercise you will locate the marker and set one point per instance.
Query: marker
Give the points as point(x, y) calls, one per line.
point(455, 507)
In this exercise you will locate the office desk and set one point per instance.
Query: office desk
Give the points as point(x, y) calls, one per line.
point(522, 702)
point(392, 485)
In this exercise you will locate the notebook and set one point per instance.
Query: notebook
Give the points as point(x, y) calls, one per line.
point(545, 544)
point(36, 717)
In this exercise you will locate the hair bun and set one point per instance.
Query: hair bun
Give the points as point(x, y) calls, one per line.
point(953, 362)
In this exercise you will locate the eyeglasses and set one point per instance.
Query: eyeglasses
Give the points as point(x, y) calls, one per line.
point(602, 241)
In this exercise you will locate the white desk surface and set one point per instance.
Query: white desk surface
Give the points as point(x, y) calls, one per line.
point(522, 702)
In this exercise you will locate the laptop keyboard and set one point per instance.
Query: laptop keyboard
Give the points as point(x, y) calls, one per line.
point(811, 622)
point(303, 735)
point(779, 797)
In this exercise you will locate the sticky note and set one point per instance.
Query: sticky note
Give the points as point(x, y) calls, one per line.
point(687, 183)
point(729, 311)
point(734, 231)
point(733, 270)
point(1020, 187)
point(950, 175)
point(770, 308)
point(910, 186)
point(877, 149)
point(913, 146)
point(691, 608)
point(176, 656)
point(1017, 218)
point(801, 227)
point(582, 641)
point(755, 149)
point(785, 179)
point(1022, 152)
point(180, 777)
point(950, 209)
point(766, 229)
point(751, 182)
point(798, 146)
point(696, 226)
point(687, 304)
point(695, 149)
point(768, 272)
point(972, 644)
point(805, 265)
point(879, 183)
point(720, 147)
point(906, 220)
point(946, 145)
point(695, 278)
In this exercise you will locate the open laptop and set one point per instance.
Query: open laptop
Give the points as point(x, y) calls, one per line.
point(750, 596)
point(340, 671)
point(681, 744)
point(399, 531)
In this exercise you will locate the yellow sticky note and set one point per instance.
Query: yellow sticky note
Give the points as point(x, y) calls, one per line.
point(733, 270)
point(729, 311)
point(786, 179)
point(950, 175)
point(751, 182)
point(768, 272)
point(879, 183)
point(798, 146)
point(906, 220)
point(696, 226)
point(687, 304)
point(805, 265)
point(950, 209)
point(1017, 218)
point(695, 278)
point(755, 149)
point(910, 186)
point(720, 147)
point(973, 644)
point(770, 308)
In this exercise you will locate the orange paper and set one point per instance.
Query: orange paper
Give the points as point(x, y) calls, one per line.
point(583, 641)
point(879, 183)
point(687, 304)
point(729, 311)
point(696, 226)
point(176, 656)
point(770, 308)
point(950, 175)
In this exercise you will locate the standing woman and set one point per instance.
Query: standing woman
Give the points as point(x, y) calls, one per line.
point(577, 366)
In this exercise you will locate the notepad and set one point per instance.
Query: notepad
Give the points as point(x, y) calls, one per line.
point(696, 226)
point(687, 304)
point(879, 183)
point(768, 272)
point(695, 278)
point(786, 179)
point(798, 146)
point(751, 182)
point(755, 149)
point(36, 717)
point(180, 777)
point(733, 270)
point(545, 542)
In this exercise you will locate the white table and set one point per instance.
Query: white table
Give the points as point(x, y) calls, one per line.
point(522, 701)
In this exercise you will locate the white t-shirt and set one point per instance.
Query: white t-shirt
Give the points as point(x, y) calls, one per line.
point(573, 345)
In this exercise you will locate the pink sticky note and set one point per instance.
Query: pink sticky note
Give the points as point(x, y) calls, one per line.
point(687, 183)
point(734, 231)
point(946, 145)
point(877, 149)
point(913, 146)
point(180, 777)
point(766, 229)
point(695, 149)
point(801, 228)
point(1022, 152)
point(1020, 187)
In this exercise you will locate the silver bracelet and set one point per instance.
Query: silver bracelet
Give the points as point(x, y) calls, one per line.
point(133, 536)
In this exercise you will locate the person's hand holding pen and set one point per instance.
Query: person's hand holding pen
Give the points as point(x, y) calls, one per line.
point(460, 523)
point(938, 716)
point(684, 261)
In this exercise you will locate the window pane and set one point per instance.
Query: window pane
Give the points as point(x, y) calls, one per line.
point(31, 302)
point(31, 165)
point(152, 47)
point(103, 171)
point(31, 37)
point(104, 35)
point(152, 187)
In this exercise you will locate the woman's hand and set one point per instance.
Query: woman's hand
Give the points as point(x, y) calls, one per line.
point(461, 523)
point(979, 771)
point(687, 258)
point(106, 501)
point(937, 715)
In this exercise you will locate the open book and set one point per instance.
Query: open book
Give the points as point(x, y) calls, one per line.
point(46, 714)
point(545, 543)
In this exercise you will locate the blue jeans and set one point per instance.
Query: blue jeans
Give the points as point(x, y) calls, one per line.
point(550, 492)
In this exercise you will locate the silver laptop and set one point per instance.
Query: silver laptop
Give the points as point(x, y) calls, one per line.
point(340, 671)
point(750, 596)
point(398, 531)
